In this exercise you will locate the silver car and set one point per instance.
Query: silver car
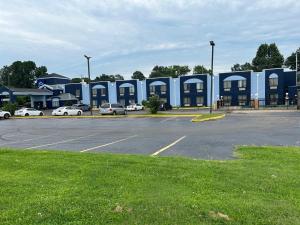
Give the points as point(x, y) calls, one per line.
point(112, 109)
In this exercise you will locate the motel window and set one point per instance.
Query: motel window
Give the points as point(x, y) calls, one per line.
point(122, 102)
point(163, 100)
point(187, 101)
point(200, 101)
point(131, 90)
point(273, 99)
point(227, 100)
point(242, 100)
point(94, 92)
point(242, 84)
point(273, 82)
point(95, 104)
point(55, 103)
point(199, 86)
point(152, 90)
point(186, 88)
point(122, 91)
point(103, 92)
point(163, 89)
point(227, 85)
point(77, 93)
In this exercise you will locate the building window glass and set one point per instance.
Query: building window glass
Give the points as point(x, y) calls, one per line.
point(103, 92)
point(152, 90)
point(227, 85)
point(186, 88)
point(273, 99)
point(227, 100)
point(273, 82)
point(95, 105)
point(122, 102)
point(200, 101)
point(122, 91)
point(94, 92)
point(77, 93)
point(131, 90)
point(199, 87)
point(242, 100)
point(187, 101)
point(163, 89)
point(242, 84)
point(55, 103)
point(163, 100)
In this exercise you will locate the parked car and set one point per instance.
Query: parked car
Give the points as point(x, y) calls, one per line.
point(83, 107)
point(112, 109)
point(134, 107)
point(28, 112)
point(165, 106)
point(4, 114)
point(67, 111)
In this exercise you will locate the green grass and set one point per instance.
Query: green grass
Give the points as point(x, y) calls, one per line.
point(208, 117)
point(47, 187)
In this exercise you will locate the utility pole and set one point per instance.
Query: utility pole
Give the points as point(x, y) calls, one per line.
point(212, 43)
point(89, 83)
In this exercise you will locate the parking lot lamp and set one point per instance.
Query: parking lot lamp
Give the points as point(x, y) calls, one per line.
point(89, 83)
point(212, 44)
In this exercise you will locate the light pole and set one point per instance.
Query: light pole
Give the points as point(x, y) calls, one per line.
point(212, 43)
point(257, 75)
point(89, 82)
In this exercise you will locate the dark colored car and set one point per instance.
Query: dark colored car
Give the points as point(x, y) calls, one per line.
point(82, 107)
point(165, 106)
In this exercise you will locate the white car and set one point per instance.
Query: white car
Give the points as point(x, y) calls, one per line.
point(135, 107)
point(67, 111)
point(4, 114)
point(28, 112)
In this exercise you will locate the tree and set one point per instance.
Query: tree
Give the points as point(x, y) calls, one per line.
point(200, 69)
point(111, 78)
point(21, 74)
point(154, 104)
point(76, 80)
point(267, 56)
point(138, 75)
point(290, 62)
point(244, 67)
point(169, 71)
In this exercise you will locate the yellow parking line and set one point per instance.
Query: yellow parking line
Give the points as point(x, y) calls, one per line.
point(168, 146)
point(111, 143)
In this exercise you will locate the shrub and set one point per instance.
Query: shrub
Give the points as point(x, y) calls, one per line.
point(154, 104)
point(145, 103)
point(10, 107)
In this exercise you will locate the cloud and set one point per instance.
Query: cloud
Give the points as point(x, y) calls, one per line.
point(122, 35)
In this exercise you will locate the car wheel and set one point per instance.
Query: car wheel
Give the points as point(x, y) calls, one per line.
point(79, 113)
point(26, 114)
point(41, 114)
point(6, 116)
point(65, 113)
point(114, 113)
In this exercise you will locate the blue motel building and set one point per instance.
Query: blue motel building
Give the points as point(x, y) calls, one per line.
point(271, 87)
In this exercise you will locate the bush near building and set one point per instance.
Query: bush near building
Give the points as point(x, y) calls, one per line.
point(153, 104)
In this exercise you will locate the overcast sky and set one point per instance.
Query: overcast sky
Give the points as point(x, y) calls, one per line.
point(127, 35)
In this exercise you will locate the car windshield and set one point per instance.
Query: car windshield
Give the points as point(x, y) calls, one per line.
point(60, 108)
point(105, 106)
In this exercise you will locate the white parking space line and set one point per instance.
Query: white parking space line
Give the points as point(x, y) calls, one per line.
point(30, 139)
point(168, 146)
point(171, 118)
point(111, 143)
point(60, 142)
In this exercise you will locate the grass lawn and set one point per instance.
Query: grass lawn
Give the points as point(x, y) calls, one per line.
point(43, 187)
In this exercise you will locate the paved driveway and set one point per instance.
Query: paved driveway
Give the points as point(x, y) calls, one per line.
point(158, 136)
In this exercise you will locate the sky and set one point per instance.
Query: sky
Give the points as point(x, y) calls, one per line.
point(123, 36)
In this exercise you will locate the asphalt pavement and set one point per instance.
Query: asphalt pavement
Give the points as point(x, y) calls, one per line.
point(154, 136)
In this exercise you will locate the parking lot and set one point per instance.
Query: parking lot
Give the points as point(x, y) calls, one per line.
point(154, 136)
